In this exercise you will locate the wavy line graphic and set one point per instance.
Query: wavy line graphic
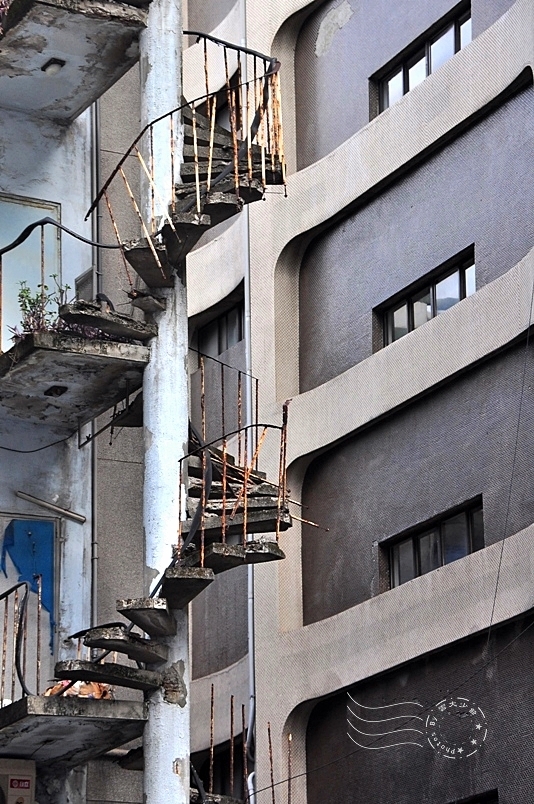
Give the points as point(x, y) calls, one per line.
point(375, 737)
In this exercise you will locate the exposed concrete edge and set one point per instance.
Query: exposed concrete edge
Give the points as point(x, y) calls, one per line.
point(407, 622)
point(233, 680)
point(51, 706)
point(53, 341)
point(470, 332)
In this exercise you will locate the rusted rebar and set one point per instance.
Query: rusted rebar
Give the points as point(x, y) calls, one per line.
point(195, 154)
point(245, 484)
point(206, 78)
point(14, 644)
point(119, 241)
point(289, 768)
point(212, 140)
point(239, 416)
point(156, 191)
point(271, 766)
point(202, 460)
point(232, 747)
point(39, 614)
point(212, 736)
point(142, 222)
point(43, 272)
point(224, 525)
point(24, 641)
point(180, 521)
point(4, 651)
point(245, 768)
point(233, 129)
point(256, 417)
point(249, 90)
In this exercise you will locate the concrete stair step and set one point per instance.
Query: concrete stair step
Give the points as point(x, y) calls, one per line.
point(150, 614)
point(259, 552)
point(214, 507)
point(116, 674)
point(134, 646)
point(182, 584)
point(258, 521)
point(218, 557)
point(141, 258)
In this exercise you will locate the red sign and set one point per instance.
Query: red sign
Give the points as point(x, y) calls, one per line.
point(20, 784)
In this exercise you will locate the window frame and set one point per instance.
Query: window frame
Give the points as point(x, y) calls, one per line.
point(475, 541)
point(421, 47)
point(460, 263)
point(221, 322)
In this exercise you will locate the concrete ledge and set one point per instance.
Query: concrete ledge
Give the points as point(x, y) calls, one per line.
point(468, 333)
point(67, 730)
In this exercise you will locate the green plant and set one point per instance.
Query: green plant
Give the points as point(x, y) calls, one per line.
point(37, 309)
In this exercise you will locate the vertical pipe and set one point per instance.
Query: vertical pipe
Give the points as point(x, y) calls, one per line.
point(240, 460)
point(212, 736)
point(232, 747)
point(202, 460)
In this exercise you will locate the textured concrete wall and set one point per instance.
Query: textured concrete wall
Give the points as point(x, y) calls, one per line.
point(448, 448)
point(470, 192)
point(207, 16)
point(409, 773)
point(350, 39)
point(219, 618)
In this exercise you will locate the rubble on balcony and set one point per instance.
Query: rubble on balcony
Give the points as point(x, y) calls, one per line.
point(61, 380)
point(89, 314)
point(58, 57)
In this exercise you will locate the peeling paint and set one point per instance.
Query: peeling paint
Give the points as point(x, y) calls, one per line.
point(174, 688)
point(330, 25)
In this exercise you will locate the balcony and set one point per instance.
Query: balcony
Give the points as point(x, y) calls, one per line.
point(62, 381)
point(58, 57)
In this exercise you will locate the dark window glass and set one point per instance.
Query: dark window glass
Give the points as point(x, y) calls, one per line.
point(222, 333)
point(432, 300)
point(455, 538)
point(404, 562)
point(412, 70)
point(451, 538)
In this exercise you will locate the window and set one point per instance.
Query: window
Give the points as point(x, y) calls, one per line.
point(483, 798)
point(426, 58)
point(438, 543)
point(34, 261)
point(223, 332)
point(455, 282)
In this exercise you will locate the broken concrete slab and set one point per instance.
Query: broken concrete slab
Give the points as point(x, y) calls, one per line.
point(116, 674)
point(258, 552)
point(87, 314)
point(72, 731)
point(182, 584)
point(141, 257)
point(59, 380)
point(151, 614)
point(115, 638)
point(218, 557)
point(107, 45)
point(262, 521)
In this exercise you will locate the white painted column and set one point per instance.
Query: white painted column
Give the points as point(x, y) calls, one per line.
point(165, 389)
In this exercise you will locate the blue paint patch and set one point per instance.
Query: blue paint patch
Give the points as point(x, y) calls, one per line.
point(30, 546)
